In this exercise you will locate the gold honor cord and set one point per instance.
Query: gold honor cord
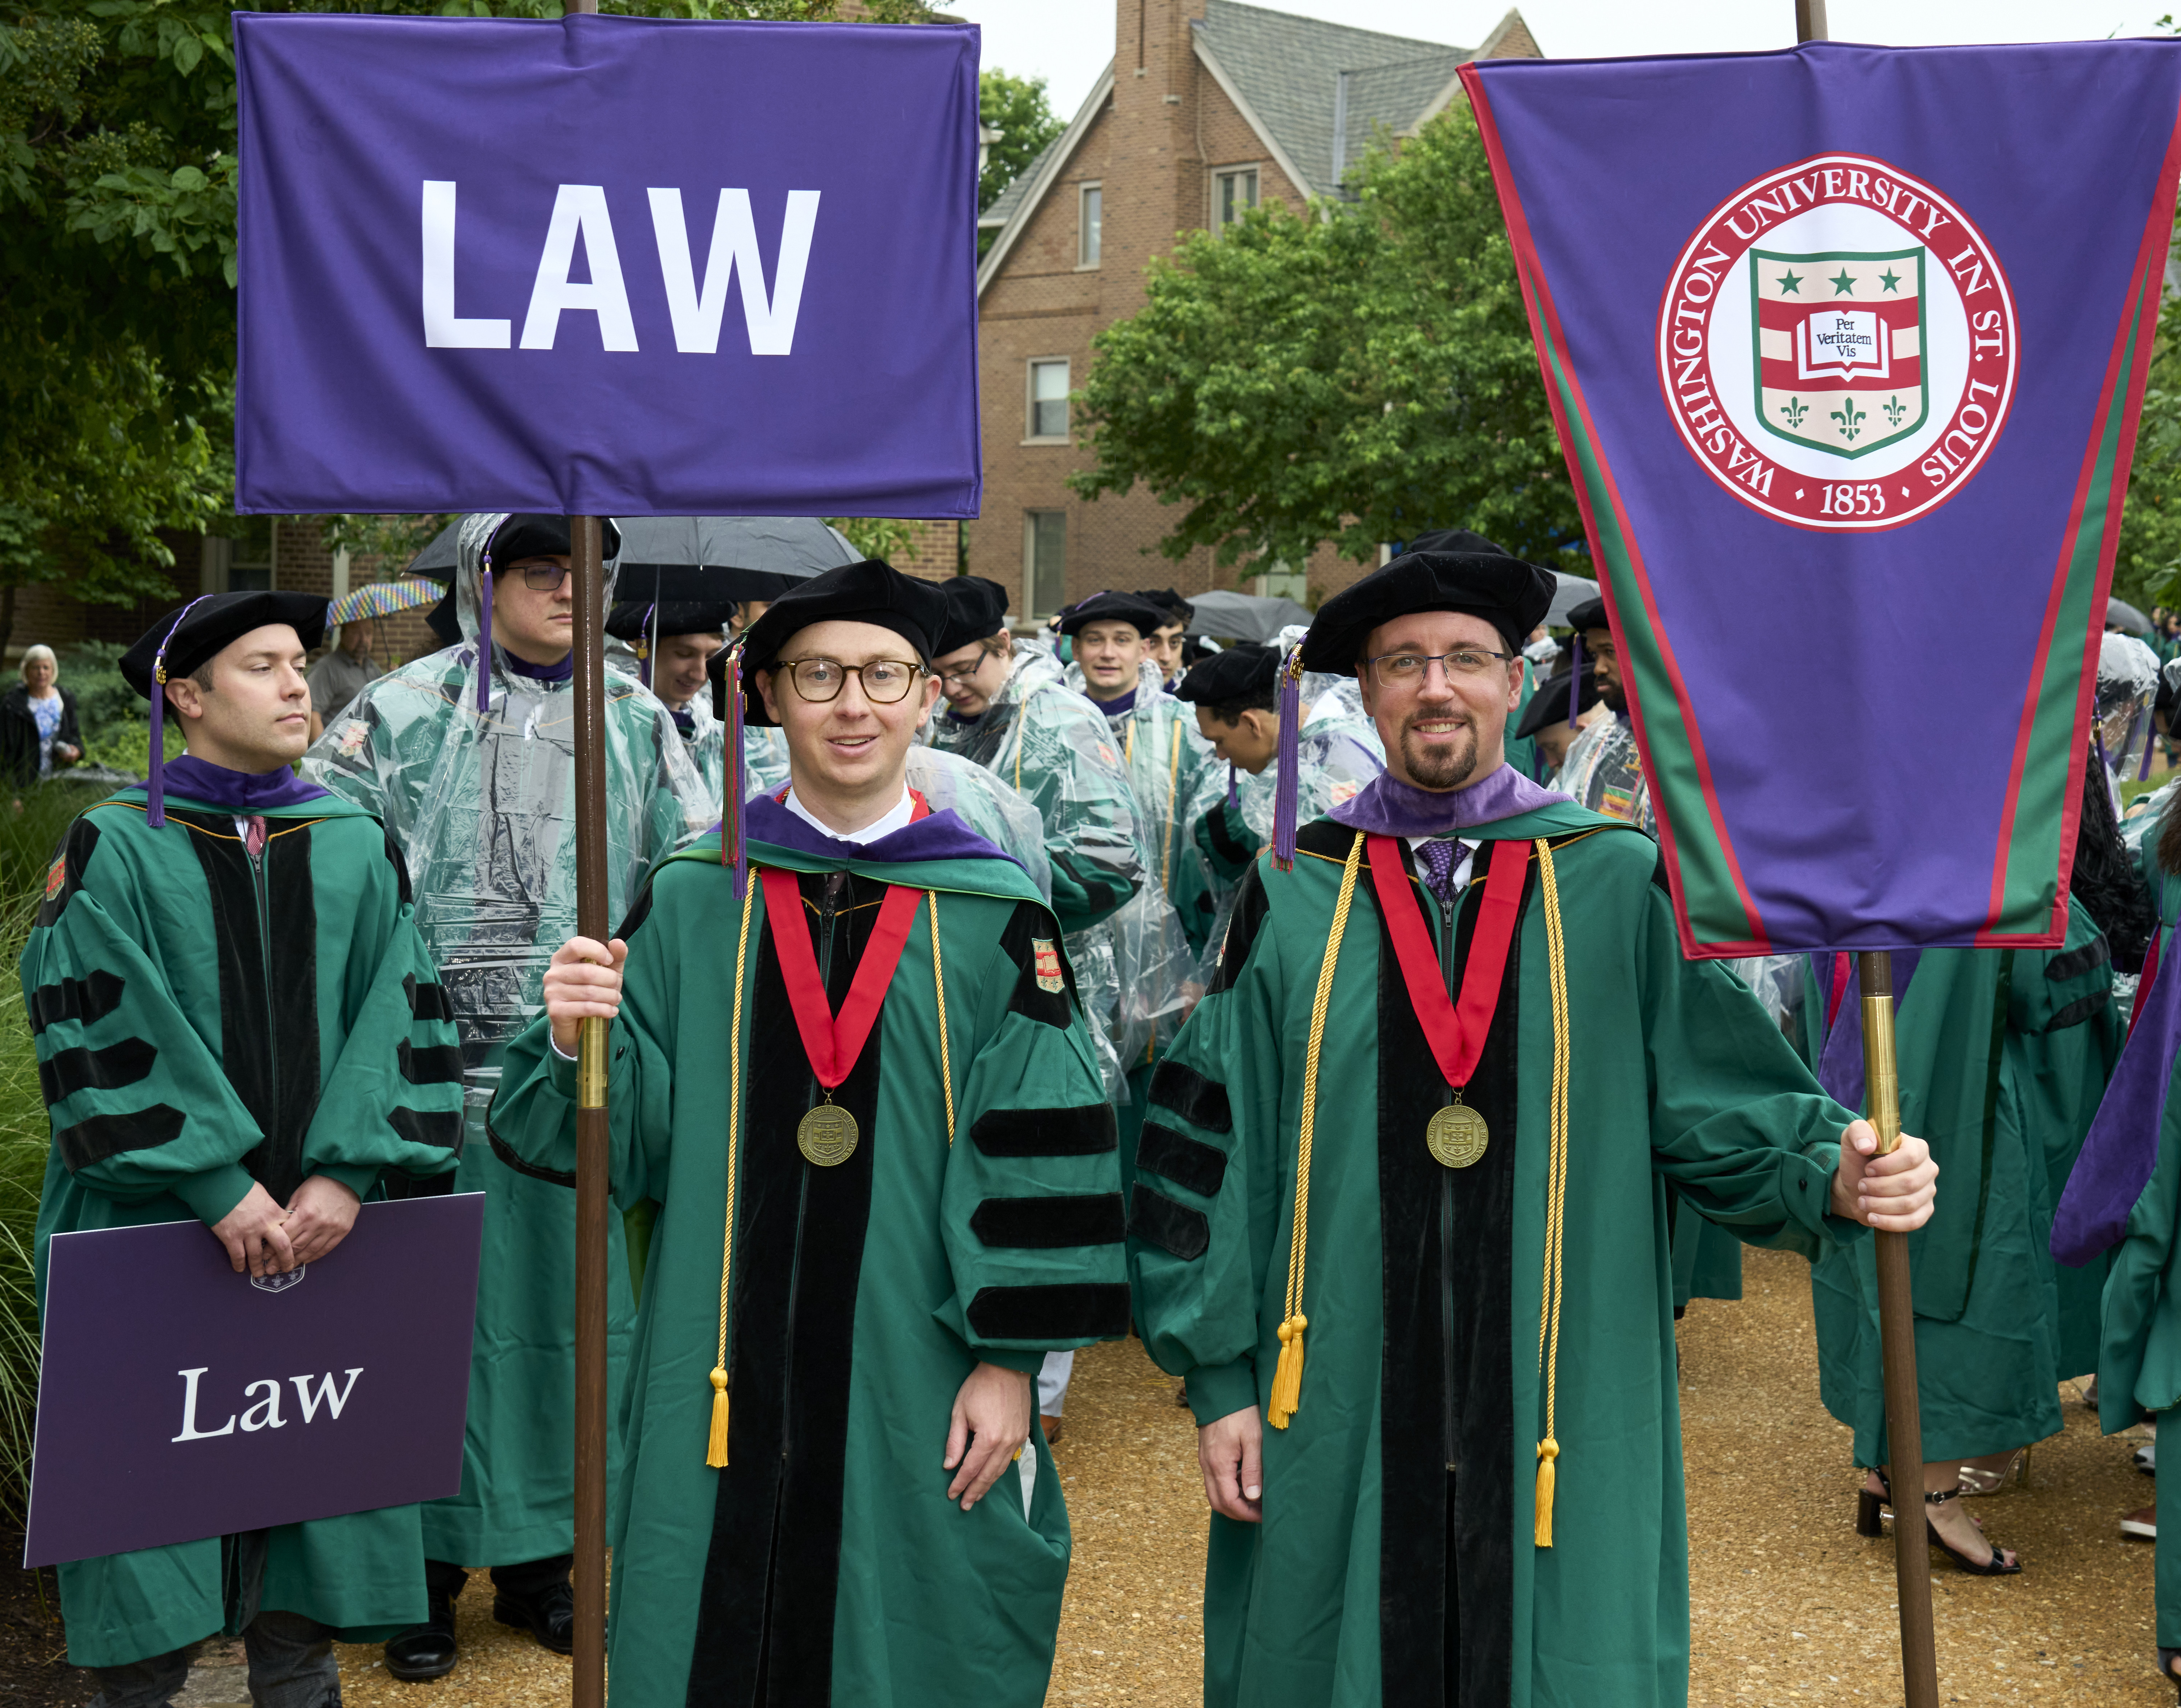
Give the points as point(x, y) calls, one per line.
point(1173, 781)
point(939, 988)
point(715, 1450)
point(1549, 1309)
point(1287, 1375)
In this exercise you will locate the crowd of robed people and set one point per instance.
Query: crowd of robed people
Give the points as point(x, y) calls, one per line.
point(1400, 1142)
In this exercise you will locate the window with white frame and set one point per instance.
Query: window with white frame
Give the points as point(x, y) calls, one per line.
point(1048, 400)
point(1090, 213)
point(1233, 193)
point(242, 563)
point(1045, 561)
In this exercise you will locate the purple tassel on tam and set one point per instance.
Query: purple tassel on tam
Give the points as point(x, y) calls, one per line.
point(484, 642)
point(734, 849)
point(1234, 792)
point(646, 644)
point(2150, 740)
point(1284, 786)
point(154, 786)
point(1575, 679)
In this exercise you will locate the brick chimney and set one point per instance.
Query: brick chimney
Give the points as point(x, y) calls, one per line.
point(1154, 183)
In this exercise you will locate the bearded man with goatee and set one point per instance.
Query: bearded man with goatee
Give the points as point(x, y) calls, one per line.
point(1428, 1124)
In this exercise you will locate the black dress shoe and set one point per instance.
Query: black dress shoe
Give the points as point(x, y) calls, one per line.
point(426, 1650)
point(548, 1614)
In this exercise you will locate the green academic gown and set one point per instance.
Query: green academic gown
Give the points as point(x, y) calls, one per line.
point(483, 806)
point(2004, 1055)
point(826, 1558)
point(204, 1022)
point(1378, 1576)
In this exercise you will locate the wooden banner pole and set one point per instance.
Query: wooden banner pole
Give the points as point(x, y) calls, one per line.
point(586, 536)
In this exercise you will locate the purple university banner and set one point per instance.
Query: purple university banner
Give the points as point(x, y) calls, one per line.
point(178, 1399)
point(1845, 346)
point(607, 265)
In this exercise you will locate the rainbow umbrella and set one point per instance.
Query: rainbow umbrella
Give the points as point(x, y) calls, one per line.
point(382, 599)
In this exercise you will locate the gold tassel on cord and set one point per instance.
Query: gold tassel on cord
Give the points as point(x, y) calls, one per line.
point(1287, 1374)
point(1548, 1451)
point(715, 1450)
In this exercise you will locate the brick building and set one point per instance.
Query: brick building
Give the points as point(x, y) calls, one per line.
point(1208, 108)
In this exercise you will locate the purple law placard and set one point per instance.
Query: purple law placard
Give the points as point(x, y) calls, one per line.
point(607, 265)
point(360, 1365)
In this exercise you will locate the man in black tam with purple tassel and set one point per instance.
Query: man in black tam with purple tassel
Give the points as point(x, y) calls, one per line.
point(1426, 1122)
point(849, 1067)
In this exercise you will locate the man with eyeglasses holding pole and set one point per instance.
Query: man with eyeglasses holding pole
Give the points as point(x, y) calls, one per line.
point(468, 757)
point(865, 1098)
point(1423, 1126)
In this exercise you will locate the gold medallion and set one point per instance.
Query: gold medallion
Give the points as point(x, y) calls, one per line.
point(1457, 1135)
point(827, 1135)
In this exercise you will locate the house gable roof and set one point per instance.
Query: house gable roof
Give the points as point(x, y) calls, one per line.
point(1011, 212)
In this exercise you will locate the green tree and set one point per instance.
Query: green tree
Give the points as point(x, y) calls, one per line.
point(1016, 109)
point(1357, 374)
point(2147, 562)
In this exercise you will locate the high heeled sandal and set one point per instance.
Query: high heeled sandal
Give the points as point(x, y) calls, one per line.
point(1869, 1522)
point(1980, 1482)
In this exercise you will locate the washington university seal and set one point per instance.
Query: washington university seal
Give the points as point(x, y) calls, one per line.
point(1838, 345)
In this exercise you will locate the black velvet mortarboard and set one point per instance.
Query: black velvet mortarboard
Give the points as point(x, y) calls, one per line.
point(1177, 609)
point(1549, 704)
point(631, 620)
point(871, 591)
point(1237, 674)
point(192, 633)
point(1144, 616)
point(1588, 615)
point(1508, 594)
point(523, 535)
point(976, 610)
point(1455, 540)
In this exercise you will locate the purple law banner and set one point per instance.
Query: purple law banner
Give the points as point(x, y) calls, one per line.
point(607, 265)
point(1846, 347)
point(178, 1399)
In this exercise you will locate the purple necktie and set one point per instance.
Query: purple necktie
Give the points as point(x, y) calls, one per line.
point(1437, 858)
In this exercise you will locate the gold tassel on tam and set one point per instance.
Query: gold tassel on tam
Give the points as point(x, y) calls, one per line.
point(1287, 1374)
point(1548, 1451)
point(715, 1450)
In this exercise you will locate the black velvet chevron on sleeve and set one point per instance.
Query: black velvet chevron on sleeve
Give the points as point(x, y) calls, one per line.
point(505, 1152)
point(400, 869)
point(102, 1136)
point(1169, 1224)
point(2076, 1012)
point(639, 910)
point(439, 1128)
point(427, 1001)
point(88, 1000)
point(1185, 1161)
point(2076, 962)
point(1040, 1224)
point(1084, 1130)
point(1067, 1311)
point(1198, 1100)
point(1027, 927)
point(71, 1071)
point(435, 1064)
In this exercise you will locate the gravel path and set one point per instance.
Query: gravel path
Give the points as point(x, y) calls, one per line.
point(1790, 1605)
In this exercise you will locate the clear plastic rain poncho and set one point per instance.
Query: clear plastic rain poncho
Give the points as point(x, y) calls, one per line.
point(2128, 686)
point(1170, 770)
point(1053, 749)
point(1604, 772)
point(483, 805)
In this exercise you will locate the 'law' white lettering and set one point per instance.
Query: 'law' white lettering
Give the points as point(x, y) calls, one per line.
point(579, 208)
point(191, 1432)
point(332, 1401)
point(770, 320)
point(442, 329)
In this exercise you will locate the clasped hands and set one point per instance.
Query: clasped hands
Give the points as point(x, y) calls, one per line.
point(266, 1239)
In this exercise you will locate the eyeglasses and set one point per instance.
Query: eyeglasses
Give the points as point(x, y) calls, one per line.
point(1400, 669)
point(884, 680)
point(539, 578)
point(963, 673)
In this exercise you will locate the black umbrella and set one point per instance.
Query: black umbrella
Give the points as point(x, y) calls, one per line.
point(674, 558)
point(664, 558)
